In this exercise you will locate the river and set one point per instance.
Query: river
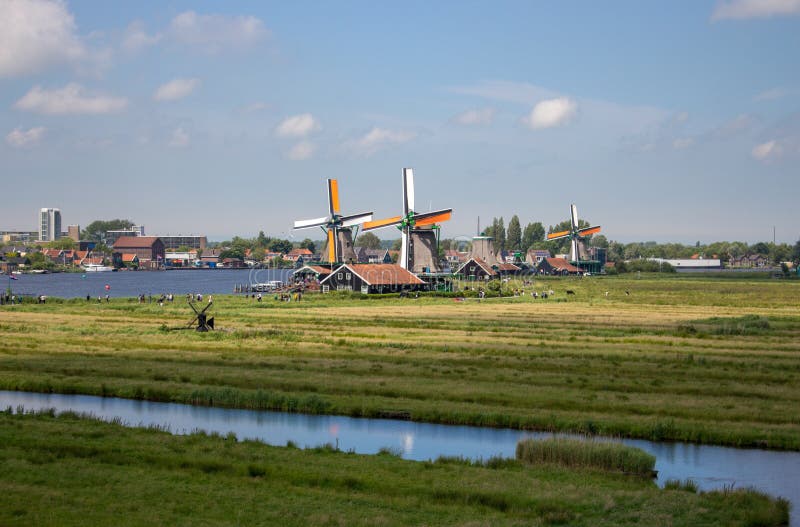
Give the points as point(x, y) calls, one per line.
point(131, 284)
point(711, 467)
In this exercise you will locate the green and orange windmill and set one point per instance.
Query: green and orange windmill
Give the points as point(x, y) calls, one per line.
point(337, 227)
point(418, 250)
point(575, 234)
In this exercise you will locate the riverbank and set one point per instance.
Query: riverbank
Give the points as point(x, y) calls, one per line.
point(704, 360)
point(69, 470)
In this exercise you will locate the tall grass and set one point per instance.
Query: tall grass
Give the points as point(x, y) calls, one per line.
point(613, 457)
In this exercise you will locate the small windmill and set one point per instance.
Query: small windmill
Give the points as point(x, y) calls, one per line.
point(576, 235)
point(204, 322)
point(419, 250)
point(337, 227)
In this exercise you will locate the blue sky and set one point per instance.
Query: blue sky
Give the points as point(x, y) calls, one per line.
point(667, 121)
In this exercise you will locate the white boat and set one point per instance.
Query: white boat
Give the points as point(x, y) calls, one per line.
point(97, 268)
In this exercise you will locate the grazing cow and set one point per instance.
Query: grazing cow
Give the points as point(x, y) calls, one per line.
point(570, 292)
point(627, 293)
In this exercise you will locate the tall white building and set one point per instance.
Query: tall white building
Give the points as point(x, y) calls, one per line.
point(49, 224)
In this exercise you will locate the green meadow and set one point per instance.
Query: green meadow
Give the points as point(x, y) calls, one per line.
point(704, 359)
point(68, 470)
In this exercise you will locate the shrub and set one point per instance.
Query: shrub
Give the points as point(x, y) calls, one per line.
point(613, 457)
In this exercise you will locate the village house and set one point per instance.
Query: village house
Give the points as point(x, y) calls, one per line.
point(506, 269)
point(149, 250)
point(535, 256)
point(557, 266)
point(372, 256)
point(300, 255)
point(476, 269)
point(372, 278)
point(749, 261)
point(455, 258)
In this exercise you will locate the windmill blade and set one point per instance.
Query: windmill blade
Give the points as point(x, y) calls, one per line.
point(404, 250)
point(589, 230)
point(558, 235)
point(305, 224)
point(202, 311)
point(408, 190)
point(574, 216)
point(356, 219)
point(379, 224)
point(429, 218)
point(333, 197)
point(331, 246)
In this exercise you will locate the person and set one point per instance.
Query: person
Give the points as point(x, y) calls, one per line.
point(259, 297)
point(210, 299)
point(108, 299)
point(88, 298)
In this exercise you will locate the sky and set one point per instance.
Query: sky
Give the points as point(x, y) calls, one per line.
point(672, 121)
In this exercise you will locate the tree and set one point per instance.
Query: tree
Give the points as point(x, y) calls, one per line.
point(514, 235)
point(796, 252)
point(534, 233)
point(396, 246)
point(232, 253)
point(262, 241)
point(600, 241)
point(96, 230)
point(368, 240)
point(62, 243)
point(280, 246)
point(308, 244)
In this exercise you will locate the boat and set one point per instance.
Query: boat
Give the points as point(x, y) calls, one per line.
point(97, 268)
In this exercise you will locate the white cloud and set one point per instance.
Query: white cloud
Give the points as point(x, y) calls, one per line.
point(378, 138)
point(298, 126)
point(480, 116)
point(71, 99)
point(175, 89)
point(767, 151)
point(136, 38)
point(215, 33)
point(682, 142)
point(551, 112)
point(744, 9)
point(301, 151)
point(36, 34)
point(771, 95)
point(179, 139)
point(19, 138)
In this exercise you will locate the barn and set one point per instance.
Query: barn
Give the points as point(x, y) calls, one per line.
point(557, 266)
point(372, 278)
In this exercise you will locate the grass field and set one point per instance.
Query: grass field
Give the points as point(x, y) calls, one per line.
point(711, 360)
point(68, 471)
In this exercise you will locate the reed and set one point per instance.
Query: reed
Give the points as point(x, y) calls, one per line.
point(613, 457)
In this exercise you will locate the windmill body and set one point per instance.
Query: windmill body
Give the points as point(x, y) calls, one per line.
point(576, 236)
point(338, 228)
point(419, 247)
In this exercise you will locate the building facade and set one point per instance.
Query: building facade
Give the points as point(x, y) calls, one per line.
point(192, 242)
point(49, 224)
point(148, 249)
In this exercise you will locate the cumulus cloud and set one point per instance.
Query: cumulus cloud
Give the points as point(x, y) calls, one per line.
point(136, 38)
point(36, 34)
point(745, 9)
point(298, 126)
point(19, 138)
point(71, 99)
point(301, 151)
point(179, 138)
point(378, 138)
point(480, 116)
point(551, 112)
point(175, 89)
point(767, 151)
point(215, 33)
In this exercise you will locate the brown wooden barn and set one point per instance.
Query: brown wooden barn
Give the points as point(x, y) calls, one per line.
point(372, 278)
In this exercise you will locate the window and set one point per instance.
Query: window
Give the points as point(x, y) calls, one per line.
point(348, 276)
point(338, 276)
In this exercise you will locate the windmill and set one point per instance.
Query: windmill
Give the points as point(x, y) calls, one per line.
point(575, 234)
point(204, 323)
point(419, 250)
point(339, 247)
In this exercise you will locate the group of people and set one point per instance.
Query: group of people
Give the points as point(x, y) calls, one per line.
point(7, 298)
point(99, 298)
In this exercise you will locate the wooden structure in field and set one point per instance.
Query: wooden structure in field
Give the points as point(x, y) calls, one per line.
point(419, 249)
point(338, 228)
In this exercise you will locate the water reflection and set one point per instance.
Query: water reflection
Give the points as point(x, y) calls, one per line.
point(710, 467)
